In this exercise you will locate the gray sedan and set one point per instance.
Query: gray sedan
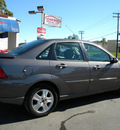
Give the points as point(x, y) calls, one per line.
point(40, 73)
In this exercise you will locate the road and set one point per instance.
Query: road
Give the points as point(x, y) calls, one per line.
point(96, 112)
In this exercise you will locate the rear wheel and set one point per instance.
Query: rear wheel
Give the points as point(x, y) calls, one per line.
point(41, 100)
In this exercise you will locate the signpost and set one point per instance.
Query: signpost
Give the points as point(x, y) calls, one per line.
point(49, 20)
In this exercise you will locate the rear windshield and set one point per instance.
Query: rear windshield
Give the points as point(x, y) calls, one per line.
point(26, 47)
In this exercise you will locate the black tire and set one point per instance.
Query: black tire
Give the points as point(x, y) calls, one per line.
point(41, 100)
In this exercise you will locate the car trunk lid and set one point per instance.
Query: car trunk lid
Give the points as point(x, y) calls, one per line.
point(6, 55)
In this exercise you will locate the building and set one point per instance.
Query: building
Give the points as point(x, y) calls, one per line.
point(9, 32)
point(111, 46)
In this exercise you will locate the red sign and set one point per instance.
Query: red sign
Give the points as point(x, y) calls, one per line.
point(41, 30)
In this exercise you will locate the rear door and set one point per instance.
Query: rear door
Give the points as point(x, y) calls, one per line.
point(69, 70)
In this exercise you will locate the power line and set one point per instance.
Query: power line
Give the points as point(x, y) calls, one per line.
point(69, 29)
point(117, 16)
point(98, 23)
point(103, 36)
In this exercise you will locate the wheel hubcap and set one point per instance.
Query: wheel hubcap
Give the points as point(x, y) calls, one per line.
point(42, 101)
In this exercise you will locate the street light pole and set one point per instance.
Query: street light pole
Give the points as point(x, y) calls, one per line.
point(42, 19)
point(40, 10)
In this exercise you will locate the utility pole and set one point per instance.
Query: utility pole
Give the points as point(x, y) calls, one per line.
point(117, 16)
point(81, 32)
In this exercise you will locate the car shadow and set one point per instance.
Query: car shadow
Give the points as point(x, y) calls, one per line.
point(13, 113)
point(82, 101)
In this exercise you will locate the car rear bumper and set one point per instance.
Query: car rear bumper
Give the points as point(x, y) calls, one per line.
point(12, 92)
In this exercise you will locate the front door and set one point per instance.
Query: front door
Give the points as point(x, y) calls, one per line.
point(104, 75)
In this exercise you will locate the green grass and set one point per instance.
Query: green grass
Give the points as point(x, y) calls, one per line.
point(114, 53)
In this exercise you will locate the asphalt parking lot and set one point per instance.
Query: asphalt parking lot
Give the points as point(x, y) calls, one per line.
point(97, 112)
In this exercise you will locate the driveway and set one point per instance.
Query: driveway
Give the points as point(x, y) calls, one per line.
point(97, 112)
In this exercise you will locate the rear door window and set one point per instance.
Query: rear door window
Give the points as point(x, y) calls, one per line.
point(68, 51)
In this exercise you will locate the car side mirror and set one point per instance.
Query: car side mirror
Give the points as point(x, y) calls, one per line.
point(113, 60)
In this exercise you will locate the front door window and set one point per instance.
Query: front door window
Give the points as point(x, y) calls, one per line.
point(96, 54)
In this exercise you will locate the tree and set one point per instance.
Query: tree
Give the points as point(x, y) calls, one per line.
point(73, 37)
point(3, 8)
point(104, 42)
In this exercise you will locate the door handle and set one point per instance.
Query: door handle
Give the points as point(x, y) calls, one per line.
point(61, 66)
point(97, 67)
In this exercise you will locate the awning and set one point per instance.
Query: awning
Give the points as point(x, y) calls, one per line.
point(7, 25)
point(4, 35)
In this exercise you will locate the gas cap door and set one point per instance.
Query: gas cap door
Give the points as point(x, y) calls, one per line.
point(28, 70)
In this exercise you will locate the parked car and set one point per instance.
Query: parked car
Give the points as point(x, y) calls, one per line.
point(20, 44)
point(3, 51)
point(41, 73)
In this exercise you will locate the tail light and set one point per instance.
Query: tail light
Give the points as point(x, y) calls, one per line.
point(2, 74)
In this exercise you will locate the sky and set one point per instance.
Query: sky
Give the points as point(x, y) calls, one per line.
point(94, 17)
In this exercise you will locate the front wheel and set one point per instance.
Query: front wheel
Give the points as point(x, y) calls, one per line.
point(41, 100)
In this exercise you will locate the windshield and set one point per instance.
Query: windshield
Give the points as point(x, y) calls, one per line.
point(26, 47)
